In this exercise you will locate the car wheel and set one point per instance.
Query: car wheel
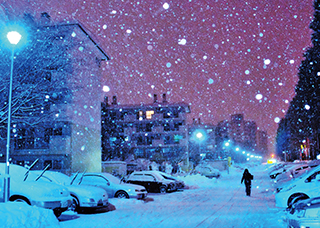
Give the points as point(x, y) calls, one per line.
point(122, 195)
point(57, 212)
point(74, 205)
point(22, 200)
point(163, 189)
point(295, 198)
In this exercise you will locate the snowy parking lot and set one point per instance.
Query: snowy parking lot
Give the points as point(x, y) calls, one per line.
point(207, 203)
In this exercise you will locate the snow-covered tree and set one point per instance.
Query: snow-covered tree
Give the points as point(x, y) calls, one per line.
point(302, 118)
point(36, 70)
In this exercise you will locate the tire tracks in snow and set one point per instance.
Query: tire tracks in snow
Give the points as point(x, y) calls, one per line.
point(220, 208)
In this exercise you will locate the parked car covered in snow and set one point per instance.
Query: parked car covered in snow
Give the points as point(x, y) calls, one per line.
point(207, 170)
point(113, 185)
point(153, 181)
point(278, 169)
point(304, 187)
point(305, 213)
point(179, 183)
point(83, 197)
point(292, 173)
point(46, 195)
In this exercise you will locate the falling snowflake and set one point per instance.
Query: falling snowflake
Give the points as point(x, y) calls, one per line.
point(259, 96)
point(182, 41)
point(267, 61)
point(106, 88)
point(166, 6)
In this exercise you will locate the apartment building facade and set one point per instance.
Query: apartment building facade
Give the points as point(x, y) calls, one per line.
point(152, 131)
point(68, 136)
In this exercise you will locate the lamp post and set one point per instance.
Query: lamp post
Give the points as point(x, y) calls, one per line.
point(14, 38)
point(199, 136)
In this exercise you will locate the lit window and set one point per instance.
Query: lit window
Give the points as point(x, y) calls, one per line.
point(149, 114)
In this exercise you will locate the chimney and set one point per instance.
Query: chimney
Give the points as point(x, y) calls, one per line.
point(106, 100)
point(164, 98)
point(45, 18)
point(155, 98)
point(114, 100)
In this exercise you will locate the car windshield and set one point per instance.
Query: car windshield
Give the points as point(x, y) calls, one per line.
point(112, 179)
point(61, 178)
point(56, 177)
point(165, 176)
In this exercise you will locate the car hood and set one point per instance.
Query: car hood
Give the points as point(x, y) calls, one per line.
point(37, 189)
point(130, 186)
point(86, 190)
point(168, 181)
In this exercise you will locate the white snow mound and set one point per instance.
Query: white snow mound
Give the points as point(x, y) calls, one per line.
point(14, 215)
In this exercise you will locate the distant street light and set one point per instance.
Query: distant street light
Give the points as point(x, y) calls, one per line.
point(199, 135)
point(14, 38)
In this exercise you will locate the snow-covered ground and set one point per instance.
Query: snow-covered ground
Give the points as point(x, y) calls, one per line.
point(207, 203)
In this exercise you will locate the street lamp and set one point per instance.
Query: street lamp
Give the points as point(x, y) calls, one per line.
point(14, 37)
point(199, 137)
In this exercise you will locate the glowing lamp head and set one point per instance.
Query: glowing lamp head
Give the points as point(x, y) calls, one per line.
point(199, 135)
point(14, 37)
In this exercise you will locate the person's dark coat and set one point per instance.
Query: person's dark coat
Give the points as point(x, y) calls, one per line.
point(247, 178)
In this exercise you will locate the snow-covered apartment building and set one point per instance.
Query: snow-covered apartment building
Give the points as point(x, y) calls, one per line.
point(68, 137)
point(145, 131)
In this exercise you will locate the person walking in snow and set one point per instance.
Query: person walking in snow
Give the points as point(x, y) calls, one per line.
point(246, 178)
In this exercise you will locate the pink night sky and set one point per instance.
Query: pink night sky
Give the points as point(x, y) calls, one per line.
point(221, 57)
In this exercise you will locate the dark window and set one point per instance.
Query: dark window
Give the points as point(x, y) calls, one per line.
point(144, 140)
point(171, 139)
point(57, 164)
point(57, 131)
point(144, 127)
point(149, 127)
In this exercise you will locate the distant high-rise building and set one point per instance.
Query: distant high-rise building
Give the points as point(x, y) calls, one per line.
point(241, 133)
point(262, 142)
